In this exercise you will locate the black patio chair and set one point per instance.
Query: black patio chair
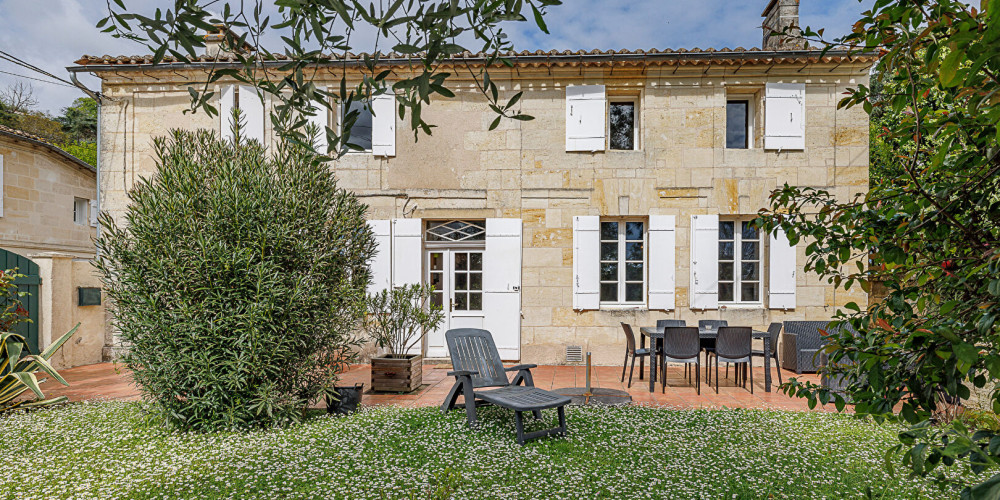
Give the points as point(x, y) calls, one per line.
point(477, 365)
point(670, 323)
point(734, 345)
point(708, 345)
point(682, 344)
point(630, 350)
point(773, 331)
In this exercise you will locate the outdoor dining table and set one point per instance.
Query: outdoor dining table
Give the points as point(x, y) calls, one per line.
point(655, 335)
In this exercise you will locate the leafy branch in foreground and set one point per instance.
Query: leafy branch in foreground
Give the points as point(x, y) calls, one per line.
point(930, 236)
point(316, 40)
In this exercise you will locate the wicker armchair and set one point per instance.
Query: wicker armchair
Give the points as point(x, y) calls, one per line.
point(835, 382)
point(800, 343)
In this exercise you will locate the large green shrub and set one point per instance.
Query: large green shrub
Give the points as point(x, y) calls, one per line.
point(237, 280)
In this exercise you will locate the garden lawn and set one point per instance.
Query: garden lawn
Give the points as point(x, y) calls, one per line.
point(118, 450)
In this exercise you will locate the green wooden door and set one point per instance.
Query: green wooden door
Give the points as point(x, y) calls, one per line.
point(29, 283)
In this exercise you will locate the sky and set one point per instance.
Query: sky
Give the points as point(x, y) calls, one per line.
point(51, 34)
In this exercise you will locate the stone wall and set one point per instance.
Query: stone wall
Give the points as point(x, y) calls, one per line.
point(39, 187)
point(522, 170)
point(62, 275)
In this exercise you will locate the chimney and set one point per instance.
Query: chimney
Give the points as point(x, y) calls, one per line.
point(215, 39)
point(779, 15)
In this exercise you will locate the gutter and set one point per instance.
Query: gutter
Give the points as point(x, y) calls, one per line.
point(99, 98)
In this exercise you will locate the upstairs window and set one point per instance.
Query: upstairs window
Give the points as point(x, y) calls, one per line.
point(80, 206)
point(622, 125)
point(738, 128)
point(360, 134)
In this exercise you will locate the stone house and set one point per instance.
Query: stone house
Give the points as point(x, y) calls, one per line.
point(48, 219)
point(627, 198)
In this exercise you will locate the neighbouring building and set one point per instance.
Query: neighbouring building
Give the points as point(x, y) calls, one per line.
point(627, 199)
point(48, 219)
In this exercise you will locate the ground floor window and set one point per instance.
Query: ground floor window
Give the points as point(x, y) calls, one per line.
point(739, 262)
point(623, 262)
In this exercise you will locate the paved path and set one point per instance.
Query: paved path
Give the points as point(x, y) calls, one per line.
point(107, 381)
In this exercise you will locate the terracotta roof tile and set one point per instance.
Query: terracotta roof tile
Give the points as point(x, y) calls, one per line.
point(655, 57)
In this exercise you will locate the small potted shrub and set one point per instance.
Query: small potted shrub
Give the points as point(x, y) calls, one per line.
point(397, 320)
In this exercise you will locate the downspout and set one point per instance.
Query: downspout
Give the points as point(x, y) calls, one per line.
point(96, 96)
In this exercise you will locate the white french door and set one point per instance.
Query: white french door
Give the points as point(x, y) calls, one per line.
point(457, 277)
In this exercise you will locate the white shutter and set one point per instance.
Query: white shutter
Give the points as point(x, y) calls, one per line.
point(781, 290)
point(321, 119)
point(661, 262)
point(586, 106)
point(93, 213)
point(406, 252)
point(586, 262)
point(253, 114)
point(384, 125)
point(381, 263)
point(704, 289)
point(784, 116)
point(227, 101)
point(502, 285)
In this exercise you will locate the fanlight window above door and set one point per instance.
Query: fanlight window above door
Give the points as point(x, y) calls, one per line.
point(456, 230)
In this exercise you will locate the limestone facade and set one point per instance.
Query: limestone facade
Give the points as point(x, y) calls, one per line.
point(40, 186)
point(48, 217)
point(522, 170)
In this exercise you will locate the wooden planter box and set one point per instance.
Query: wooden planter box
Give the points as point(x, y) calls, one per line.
point(397, 374)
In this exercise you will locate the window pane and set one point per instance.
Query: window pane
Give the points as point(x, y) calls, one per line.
point(437, 261)
point(609, 292)
point(621, 125)
point(726, 230)
point(475, 301)
point(437, 299)
point(726, 292)
point(475, 281)
point(437, 280)
point(633, 251)
point(748, 292)
point(750, 250)
point(461, 281)
point(361, 131)
point(461, 261)
point(726, 271)
point(749, 271)
point(633, 231)
point(726, 250)
point(609, 230)
point(633, 271)
point(736, 124)
point(609, 251)
point(461, 302)
point(749, 231)
point(633, 292)
point(476, 261)
point(609, 271)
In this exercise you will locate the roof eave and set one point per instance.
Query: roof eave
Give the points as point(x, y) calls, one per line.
point(55, 149)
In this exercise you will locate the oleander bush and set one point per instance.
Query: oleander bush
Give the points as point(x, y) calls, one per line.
point(236, 278)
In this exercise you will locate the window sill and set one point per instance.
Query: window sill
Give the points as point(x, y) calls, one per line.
point(622, 307)
point(756, 305)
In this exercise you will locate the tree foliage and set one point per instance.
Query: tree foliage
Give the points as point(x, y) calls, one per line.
point(930, 236)
point(79, 120)
point(425, 32)
point(236, 280)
